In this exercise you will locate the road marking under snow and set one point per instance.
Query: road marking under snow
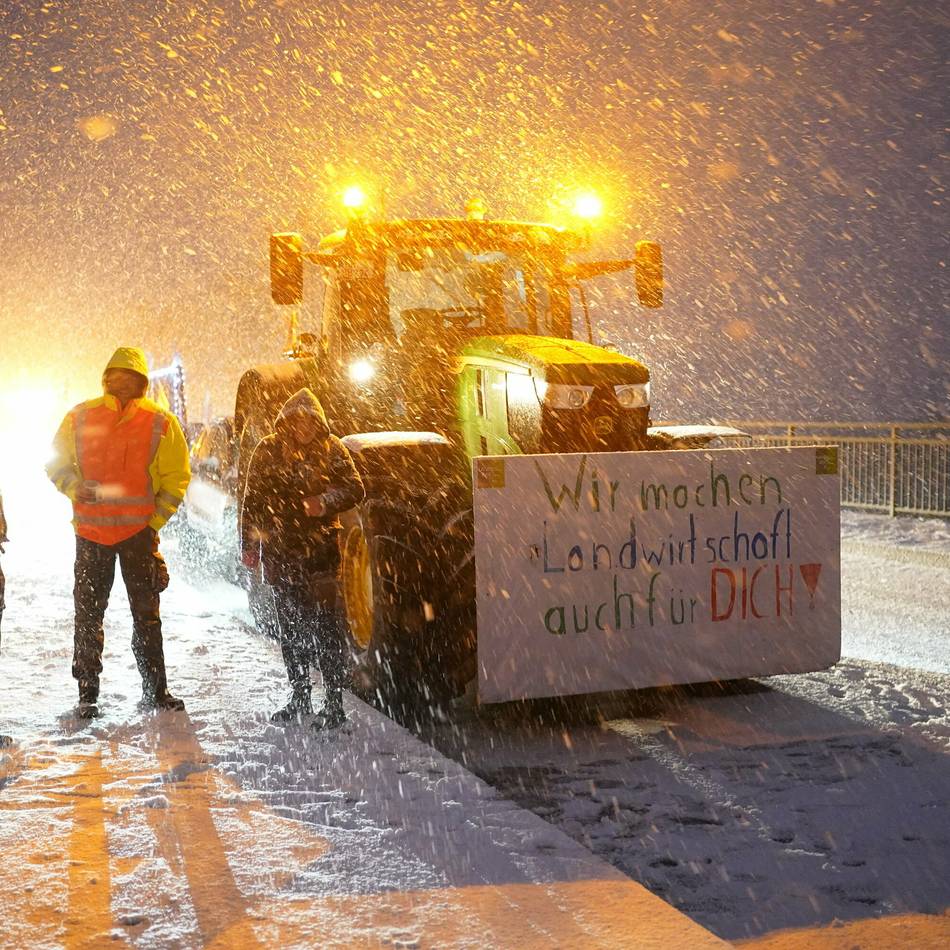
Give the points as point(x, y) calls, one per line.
point(81, 822)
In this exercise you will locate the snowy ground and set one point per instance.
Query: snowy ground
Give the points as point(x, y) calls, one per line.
point(216, 829)
point(895, 577)
point(797, 801)
point(807, 801)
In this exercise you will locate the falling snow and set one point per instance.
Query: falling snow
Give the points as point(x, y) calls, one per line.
point(786, 155)
point(789, 159)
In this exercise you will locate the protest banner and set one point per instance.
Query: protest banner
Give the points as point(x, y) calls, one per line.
point(633, 569)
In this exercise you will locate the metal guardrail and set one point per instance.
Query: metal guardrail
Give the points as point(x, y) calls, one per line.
point(895, 467)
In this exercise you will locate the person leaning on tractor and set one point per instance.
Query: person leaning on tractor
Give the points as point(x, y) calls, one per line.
point(123, 462)
point(299, 480)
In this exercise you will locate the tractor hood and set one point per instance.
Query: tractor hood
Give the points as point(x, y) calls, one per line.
point(559, 361)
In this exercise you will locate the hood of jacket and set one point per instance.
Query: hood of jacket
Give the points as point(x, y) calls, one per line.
point(303, 402)
point(130, 358)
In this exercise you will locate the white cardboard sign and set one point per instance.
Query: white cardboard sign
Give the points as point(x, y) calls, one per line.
point(633, 569)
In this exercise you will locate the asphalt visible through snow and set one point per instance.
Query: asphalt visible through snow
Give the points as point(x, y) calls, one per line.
point(791, 802)
point(812, 805)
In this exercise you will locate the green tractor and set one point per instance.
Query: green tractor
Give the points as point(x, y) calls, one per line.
point(442, 340)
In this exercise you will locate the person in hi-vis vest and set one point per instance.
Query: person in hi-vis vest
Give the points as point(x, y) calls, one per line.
point(123, 462)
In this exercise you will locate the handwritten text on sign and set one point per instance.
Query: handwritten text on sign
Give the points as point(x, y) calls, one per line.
point(620, 570)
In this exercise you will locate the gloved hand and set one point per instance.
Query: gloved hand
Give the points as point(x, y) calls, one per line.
point(315, 506)
point(161, 573)
point(159, 568)
point(250, 558)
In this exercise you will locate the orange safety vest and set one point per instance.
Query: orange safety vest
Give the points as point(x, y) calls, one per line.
point(115, 449)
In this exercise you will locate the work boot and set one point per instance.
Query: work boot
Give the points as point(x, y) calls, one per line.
point(161, 701)
point(298, 707)
point(88, 707)
point(332, 715)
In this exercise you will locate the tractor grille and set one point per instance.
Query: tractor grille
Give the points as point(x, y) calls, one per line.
point(601, 426)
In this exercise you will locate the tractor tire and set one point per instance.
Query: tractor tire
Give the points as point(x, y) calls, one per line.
point(408, 577)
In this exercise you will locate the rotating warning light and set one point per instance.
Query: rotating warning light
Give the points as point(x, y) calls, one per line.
point(475, 209)
point(587, 205)
point(354, 198)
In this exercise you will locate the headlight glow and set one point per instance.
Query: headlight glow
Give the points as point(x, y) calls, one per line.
point(562, 395)
point(361, 372)
point(633, 396)
point(29, 415)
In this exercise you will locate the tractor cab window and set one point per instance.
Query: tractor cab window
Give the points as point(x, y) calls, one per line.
point(438, 289)
point(514, 289)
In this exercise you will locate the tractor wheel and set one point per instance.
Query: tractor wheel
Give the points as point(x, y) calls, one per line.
point(357, 590)
point(408, 590)
point(411, 623)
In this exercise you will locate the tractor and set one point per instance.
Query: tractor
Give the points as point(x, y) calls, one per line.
point(441, 340)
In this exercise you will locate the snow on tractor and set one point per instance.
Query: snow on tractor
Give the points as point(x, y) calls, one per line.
point(442, 340)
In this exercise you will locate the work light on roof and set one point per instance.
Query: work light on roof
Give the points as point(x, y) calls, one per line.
point(354, 198)
point(587, 205)
point(475, 209)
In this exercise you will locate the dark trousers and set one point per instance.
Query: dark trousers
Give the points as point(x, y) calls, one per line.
point(145, 576)
point(312, 633)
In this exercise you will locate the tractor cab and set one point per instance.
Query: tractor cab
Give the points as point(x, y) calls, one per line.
point(466, 327)
point(432, 282)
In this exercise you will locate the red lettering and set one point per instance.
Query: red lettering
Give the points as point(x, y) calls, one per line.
point(755, 577)
point(714, 590)
point(779, 589)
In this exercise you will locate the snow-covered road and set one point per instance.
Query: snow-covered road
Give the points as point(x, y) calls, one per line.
point(799, 801)
point(216, 829)
point(809, 801)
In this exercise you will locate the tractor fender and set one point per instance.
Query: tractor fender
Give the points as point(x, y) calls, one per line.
point(695, 436)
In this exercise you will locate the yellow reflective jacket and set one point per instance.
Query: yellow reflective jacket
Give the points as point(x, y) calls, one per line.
point(169, 469)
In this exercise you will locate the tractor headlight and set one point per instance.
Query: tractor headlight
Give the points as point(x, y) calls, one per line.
point(633, 396)
point(563, 395)
point(361, 371)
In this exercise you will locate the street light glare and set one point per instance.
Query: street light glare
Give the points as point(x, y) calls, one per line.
point(29, 415)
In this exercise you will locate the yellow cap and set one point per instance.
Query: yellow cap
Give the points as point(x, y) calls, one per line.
point(131, 358)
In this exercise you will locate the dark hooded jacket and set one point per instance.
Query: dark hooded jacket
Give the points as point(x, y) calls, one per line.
point(282, 473)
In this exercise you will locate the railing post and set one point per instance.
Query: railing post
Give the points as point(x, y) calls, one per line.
point(893, 471)
point(791, 433)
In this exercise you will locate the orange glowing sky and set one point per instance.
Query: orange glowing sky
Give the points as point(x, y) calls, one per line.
point(784, 153)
